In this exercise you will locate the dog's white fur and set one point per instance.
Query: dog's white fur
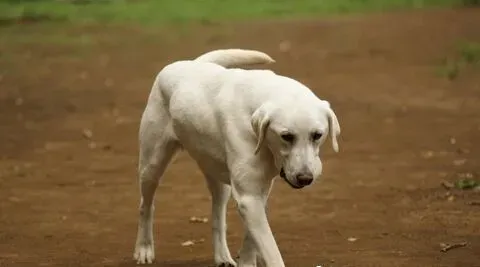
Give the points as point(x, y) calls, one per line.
point(233, 122)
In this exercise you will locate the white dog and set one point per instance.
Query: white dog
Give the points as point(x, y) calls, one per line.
point(243, 128)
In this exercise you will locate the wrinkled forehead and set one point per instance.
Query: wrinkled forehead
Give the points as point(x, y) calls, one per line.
point(300, 119)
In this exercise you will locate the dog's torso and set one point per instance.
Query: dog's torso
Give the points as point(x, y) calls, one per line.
point(210, 106)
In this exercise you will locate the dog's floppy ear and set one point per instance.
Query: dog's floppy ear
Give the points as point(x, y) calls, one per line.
point(334, 125)
point(260, 121)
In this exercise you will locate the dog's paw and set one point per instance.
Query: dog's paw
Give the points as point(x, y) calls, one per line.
point(144, 254)
point(247, 263)
point(223, 259)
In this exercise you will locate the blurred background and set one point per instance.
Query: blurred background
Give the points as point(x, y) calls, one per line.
point(403, 77)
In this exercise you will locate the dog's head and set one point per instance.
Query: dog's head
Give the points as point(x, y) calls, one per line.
point(294, 135)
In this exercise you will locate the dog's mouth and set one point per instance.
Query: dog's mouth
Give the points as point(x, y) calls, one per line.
point(284, 177)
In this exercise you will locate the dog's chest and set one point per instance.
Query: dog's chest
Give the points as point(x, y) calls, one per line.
point(199, 132)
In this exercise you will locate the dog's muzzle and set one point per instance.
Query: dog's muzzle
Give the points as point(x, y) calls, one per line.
point(284, 177)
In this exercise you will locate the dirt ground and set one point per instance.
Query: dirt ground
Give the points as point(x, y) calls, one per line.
point(70, 200)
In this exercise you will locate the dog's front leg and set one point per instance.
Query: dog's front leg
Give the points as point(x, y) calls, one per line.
point(248, 255)
point(251, 206)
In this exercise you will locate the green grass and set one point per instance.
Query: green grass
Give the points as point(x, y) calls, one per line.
point(467, 53)
point(161, 11)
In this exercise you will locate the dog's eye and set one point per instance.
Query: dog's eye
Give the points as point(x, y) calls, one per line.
point(316, 136)
point(288, 137)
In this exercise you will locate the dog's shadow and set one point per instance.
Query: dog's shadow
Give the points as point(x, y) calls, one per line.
point(173, 263)
point(177, 263)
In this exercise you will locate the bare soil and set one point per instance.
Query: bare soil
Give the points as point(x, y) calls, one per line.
point(70, 199)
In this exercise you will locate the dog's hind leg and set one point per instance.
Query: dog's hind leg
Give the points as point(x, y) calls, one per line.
point(157, 147)
point(220, 195)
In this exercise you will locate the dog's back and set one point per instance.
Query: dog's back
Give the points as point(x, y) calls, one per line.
point(204, 71)
point(186, 96)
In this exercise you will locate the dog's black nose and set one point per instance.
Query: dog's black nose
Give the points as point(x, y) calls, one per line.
point(304, 179)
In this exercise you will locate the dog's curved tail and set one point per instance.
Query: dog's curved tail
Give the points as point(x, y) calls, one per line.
point(235, 57)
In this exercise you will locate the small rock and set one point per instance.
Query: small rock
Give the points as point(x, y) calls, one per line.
point(120, 120)
point(352, 239)
point(427, 154)
point(459, 162)
point(446, 247)
point(87, 133)
point(447, 185)
point(284, 46)
point(194, 219)
point(451, 198)
point(453, 141)
point(188, 243)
